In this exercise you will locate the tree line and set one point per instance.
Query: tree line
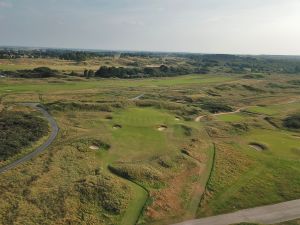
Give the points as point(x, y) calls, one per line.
point(135, 72)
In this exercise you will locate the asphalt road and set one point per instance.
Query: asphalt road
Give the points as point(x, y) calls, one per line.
point(270, 214)
point(54, 132)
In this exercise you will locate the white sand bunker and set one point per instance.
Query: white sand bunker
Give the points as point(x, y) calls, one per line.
point(117, 126)
point(94, 147)
point(258, 147)
point(177, 118)
point(162, 128)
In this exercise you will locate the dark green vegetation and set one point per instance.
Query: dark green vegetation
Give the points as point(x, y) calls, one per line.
point(292, 122)
point(142, 64)
point(17, 131)
point(40, 72)
point(215, 107)
point(149, 151)
point(161, 71)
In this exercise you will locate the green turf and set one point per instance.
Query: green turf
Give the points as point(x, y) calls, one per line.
point(44, 86)
point(237, 117)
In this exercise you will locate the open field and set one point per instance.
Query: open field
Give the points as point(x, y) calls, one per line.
point(147, 161)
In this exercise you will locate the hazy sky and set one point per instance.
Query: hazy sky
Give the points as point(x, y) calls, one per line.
point(207, 26)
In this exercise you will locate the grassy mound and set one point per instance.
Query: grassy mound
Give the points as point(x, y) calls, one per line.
point(110, 194)
point(138, 172)
point(17, 131)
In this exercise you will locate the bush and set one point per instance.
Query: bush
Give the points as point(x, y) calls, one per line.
point(215, 107)
point(74, 106)
point(294, 82)
point(292, 122)
point(19, 130)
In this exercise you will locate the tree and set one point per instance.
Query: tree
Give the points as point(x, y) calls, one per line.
point(85, 73)
point(164, 68)
point(90, 73)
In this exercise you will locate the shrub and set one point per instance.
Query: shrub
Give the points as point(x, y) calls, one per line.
point(74, 106)
point(292, 122)
point(215, 107)
point(17, 131)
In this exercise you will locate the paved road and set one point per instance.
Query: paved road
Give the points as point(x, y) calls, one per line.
point(54, 132)
point(270, 214)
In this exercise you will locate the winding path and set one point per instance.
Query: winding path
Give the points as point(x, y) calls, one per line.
point(270, 214)
point(51, 138)
point(137, 97)
point(197, 119)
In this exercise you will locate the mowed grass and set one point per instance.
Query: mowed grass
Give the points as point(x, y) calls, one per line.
point(262, 110)
point(136, 138)
point(280, 143)
point(277, 109)
point(139, 134)
point(46, 86)
point(236, 117)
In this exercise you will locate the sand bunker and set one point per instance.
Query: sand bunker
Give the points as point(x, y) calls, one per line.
point(117, 126)
point(257, 146)
point(177, 118)
point(162, 128)
point(94, 147)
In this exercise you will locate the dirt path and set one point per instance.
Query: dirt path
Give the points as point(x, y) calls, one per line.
point(54, 132)
point(197, 119)
point(138, 97)
point(270, 214)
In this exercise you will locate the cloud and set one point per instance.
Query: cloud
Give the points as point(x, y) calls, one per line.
point(5, 4)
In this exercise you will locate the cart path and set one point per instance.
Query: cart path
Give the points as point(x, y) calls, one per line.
point(270, 214)
point(46, 144)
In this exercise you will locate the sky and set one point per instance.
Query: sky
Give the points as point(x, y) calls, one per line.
point(203, 26)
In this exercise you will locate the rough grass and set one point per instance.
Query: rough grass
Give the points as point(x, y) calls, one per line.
point(110, 194)
point(143, 174)
point(264, 177)
point(45, 190)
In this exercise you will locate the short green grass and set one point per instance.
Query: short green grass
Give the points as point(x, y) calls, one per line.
point(236, 117)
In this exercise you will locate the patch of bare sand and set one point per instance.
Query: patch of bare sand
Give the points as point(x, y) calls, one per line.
point(117, 126)
point(162, 128)
point(94, 147)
